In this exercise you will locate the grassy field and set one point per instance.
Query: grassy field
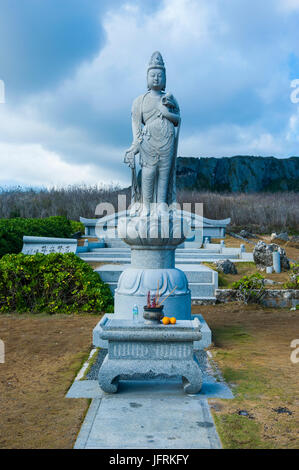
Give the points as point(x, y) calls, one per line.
point(251, 347)
point(43, 356)
point(292, 249)
point(248, 268)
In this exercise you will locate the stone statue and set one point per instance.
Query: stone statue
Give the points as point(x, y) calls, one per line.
point(155, 124)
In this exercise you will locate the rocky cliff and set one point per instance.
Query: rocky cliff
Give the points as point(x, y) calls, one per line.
point(240, 173)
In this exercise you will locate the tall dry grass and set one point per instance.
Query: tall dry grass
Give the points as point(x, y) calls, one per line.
point(258, 212)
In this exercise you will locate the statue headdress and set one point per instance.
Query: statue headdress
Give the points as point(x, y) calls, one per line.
point(156, 61)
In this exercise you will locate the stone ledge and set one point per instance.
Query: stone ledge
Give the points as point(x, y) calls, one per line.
point(273, 297)
point(205, 341)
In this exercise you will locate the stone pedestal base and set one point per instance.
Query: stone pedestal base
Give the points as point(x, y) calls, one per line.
point(140, 351)
point(135, 283)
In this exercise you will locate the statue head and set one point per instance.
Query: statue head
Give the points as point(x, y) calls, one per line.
point(156, 73)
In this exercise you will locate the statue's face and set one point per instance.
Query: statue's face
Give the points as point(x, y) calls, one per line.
point(156, 79)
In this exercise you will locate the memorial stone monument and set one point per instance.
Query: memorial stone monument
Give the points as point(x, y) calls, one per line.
point(153, 229)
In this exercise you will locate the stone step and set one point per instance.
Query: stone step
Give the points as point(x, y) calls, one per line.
point(196, 274)
point(199, 274)
point(185, 251)
point(115, 257)
point(92, 258)
point(201, 290)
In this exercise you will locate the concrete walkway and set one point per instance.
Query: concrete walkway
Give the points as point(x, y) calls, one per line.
point(154, 414)
point(149, 416)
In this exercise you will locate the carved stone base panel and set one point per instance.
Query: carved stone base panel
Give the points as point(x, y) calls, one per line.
point(113, 370)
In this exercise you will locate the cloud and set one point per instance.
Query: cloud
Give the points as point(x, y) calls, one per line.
point(42, 42)
point(289, 5)
point(34, 166)
point(228, 67)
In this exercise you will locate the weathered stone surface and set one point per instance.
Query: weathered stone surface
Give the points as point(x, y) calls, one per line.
point(77, 235)
point(226, 266)
point(148, 351)
point(270, 282)
point(155, 124)
point(246, 234)
point(240, 173)
point(46, 245)
point(281, 236)
point(263, 255)
point(107, 227)
point(153, 240)
point(272, 297)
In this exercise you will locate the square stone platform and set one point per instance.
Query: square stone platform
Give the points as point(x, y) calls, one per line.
point(203, 343)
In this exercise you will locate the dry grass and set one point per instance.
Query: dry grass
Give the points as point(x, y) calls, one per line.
point(247, 268)
point(292, 249)
point(252, 348)
point(43, 355)
point(258, 212)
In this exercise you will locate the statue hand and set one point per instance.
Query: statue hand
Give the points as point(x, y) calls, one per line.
point(169, 114)
point(170, 102)
point(130, 158)
point(163, 109)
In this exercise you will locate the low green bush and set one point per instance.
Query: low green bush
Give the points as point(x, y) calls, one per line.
point(293, 282)
point(13, 230)
point(54, 283)
point(250, 289)
point(77, 226)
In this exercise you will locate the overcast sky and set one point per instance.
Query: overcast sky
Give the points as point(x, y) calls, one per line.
point(72, 68)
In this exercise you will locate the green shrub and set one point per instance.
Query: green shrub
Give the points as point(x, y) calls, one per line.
point(222, 281)
point(13, 230)
point(250, 289)
point(77, 226)
point(54, 283)
point(293, 282)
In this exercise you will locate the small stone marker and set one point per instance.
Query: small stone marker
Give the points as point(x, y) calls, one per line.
point(45, 245)
point(276, 262)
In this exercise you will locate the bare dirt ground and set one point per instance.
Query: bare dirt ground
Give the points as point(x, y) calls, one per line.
point(251, 346)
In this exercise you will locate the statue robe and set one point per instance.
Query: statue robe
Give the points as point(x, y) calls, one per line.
point(155, 138)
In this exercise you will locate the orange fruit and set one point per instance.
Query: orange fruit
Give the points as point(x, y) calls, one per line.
point(173, 320)
point(165, 321)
